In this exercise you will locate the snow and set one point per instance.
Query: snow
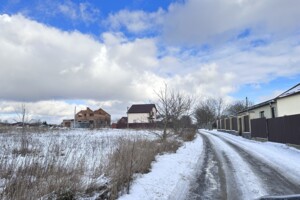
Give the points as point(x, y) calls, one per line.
point(252, 187)
point(170, 175)
point(77, 148)
point(282, 157)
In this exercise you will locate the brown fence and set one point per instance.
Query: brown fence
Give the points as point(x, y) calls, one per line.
point(227, 124)
point(281, 129)
point(246, 123)
point(259, 128)
point(222, 123)
point(234, 124)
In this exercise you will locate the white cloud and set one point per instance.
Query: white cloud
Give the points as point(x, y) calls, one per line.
point(40, 63)
point(54, 111)
point(84, 12)
point(48, 66)
point(197, 22)
point(135, 21)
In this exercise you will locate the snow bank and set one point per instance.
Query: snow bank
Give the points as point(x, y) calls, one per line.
point(170, 174)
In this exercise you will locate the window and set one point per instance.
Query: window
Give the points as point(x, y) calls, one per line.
point(262, 114)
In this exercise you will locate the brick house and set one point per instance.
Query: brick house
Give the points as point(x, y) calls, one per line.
point(92, 119)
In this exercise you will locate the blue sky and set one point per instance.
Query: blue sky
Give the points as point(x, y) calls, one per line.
point(56, 55)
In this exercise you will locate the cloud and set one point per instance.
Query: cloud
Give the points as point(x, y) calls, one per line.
point(214, 21)
point(85, 12)
point(49, 110)
point(47, 67)
point(40, 63)
point(135, 21)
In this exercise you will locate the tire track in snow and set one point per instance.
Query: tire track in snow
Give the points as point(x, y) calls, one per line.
point(274, 182)
point(210, 183)
point(238, 180)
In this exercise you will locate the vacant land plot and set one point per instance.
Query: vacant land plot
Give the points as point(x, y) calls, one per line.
point(75, 163)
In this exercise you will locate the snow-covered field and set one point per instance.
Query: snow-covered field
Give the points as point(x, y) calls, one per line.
point(83, 151)
point(91, 145)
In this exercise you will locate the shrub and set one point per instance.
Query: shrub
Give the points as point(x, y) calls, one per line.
point(134, 157)
point(188, 134)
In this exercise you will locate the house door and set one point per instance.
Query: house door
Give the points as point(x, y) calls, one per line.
point(240, 126)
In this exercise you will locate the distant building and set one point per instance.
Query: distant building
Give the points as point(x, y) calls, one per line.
point(142, 113)
point(92, 119)
point(122, 123)
point(68, 123)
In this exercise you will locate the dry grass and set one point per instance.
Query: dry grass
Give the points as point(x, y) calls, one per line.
point(35, 181)
point(51, 169)
point(188, 134)
point(132, 157)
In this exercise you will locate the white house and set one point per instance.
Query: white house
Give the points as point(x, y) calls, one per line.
point(142, 113)
point(288, 103)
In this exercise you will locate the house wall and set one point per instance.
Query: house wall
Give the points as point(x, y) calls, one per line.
point(138, 117)
point(255, 113)
point(289, 105)
point(154, 113)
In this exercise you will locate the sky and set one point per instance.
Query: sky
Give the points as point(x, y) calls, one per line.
point(55, 55)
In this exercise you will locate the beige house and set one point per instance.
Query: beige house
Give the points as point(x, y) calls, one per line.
point(288, 103)
point(142, 113)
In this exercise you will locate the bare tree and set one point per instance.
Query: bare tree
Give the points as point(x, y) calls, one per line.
point(209, 110)
point(171, 106)
point(206, 112)
point(238, 106)
point(23, 117)
point(220, 106)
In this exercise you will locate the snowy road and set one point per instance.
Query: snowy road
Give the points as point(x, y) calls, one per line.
point(235, 168)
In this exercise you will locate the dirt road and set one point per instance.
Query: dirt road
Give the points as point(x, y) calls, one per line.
point(229, 171)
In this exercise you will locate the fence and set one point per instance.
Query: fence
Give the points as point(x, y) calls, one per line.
point(234, 124)
point(281, 129)
point(228, 124)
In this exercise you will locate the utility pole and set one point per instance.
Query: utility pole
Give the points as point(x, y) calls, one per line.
point(74, 117)
point(127, 118)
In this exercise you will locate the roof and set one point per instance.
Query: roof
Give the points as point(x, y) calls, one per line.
point(101, 112)
point(259, 105)
point(141, 108)
point(265, 103)
point(88, 111)
point(291, 91)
